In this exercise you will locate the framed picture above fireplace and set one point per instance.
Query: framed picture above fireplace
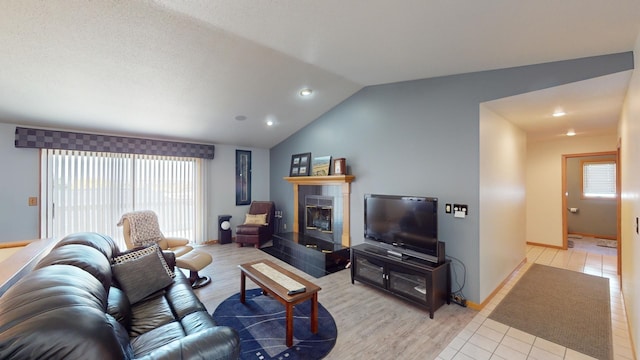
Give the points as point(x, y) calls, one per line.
point(300, 164)
point(321, 166)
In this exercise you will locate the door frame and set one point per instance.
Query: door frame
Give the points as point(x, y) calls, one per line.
point(565, 227)
point(619, 206)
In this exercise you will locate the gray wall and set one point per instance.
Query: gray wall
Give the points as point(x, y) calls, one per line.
point(422, 138)
point(595, 216)
point(20, 179)
point(222, 186)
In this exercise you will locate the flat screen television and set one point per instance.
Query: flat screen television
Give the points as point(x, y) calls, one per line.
point(405, 225)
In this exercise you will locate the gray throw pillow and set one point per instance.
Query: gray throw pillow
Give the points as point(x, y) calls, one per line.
point(141, 273)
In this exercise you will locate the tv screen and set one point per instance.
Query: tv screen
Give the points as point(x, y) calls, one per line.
point(408, 224)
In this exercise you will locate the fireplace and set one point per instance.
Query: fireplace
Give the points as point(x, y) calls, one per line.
point(318, 219)
point(338, 189)
point(320, 240)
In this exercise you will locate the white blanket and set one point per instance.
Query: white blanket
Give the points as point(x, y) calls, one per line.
point(145, 229)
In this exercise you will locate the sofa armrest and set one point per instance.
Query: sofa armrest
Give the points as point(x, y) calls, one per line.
point(217, 343)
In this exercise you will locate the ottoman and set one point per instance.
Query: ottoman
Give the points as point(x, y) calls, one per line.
point(195, 261)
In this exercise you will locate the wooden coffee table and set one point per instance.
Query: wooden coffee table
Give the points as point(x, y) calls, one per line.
point(271, 282)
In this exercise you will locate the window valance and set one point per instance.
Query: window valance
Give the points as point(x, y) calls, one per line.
point(53, 139)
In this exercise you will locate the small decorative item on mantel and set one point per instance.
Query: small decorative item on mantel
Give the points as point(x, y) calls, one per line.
point(339, 166)
point(300, 164)
point(321, 166)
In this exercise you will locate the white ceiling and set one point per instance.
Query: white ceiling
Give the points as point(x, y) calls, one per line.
point(185, 69)
point(593, 107)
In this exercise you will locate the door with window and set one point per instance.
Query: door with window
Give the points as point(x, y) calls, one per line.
point(89, 191)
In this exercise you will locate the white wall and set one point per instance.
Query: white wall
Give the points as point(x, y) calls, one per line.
point(544, 183)
point(21, 179)
point(629, 131)
point(222, 195)
point(502, 199)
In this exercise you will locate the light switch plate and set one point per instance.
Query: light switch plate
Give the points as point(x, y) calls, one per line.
point(460, 210)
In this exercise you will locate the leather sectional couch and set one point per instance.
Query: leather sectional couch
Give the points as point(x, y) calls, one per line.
point(78, 303)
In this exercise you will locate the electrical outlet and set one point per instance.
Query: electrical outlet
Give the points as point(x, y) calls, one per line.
point(460, 210)
point(459, 300)
point(285, 226)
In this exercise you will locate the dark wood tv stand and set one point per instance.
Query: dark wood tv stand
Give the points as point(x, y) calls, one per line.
point(415, 280)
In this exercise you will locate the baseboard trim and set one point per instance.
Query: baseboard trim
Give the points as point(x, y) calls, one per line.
point(481, 306)
point(607, 237)
point(546, 245)
point(629, 328)
point(217, 241)
point(12, 244)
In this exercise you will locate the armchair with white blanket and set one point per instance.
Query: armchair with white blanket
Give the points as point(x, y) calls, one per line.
point(141, 228)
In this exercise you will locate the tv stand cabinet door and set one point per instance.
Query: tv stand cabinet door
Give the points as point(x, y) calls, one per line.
point(427, 286)
point(411, 284)
point(368, 269)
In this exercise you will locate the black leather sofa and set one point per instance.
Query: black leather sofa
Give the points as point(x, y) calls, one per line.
point(73, 306)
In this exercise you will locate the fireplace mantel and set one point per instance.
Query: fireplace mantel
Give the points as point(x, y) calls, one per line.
point(321, 180)
point(338, 180)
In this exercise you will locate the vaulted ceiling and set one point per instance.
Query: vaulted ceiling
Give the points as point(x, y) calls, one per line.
point(188, 70)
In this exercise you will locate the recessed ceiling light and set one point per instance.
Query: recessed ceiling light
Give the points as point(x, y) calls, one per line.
point(241, 118)
point(269, 122)
point(305, 92)
point(571, 132)
point(559, 113)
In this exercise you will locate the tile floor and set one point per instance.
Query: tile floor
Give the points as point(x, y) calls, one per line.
point(486, 339)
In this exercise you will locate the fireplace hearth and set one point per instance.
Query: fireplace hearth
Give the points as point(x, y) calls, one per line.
point(319, 243)
point(314, 256)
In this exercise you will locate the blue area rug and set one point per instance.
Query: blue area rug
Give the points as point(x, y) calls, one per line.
point(260, 322)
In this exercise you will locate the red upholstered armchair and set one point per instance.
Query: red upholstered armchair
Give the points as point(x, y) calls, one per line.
point(259, 224)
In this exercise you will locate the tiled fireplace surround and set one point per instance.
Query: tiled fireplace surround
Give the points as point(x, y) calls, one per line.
point(337, 187)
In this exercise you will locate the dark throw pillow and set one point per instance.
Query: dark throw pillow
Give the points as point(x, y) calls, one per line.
point(142, 272)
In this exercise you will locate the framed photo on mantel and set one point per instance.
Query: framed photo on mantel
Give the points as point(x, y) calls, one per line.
point(339, 166)
point(321, 166)
point(300, 164)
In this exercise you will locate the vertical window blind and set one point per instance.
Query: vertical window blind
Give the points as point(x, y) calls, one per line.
point(89, 191)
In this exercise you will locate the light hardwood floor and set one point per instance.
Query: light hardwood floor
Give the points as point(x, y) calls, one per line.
point(375, 325)
point(371, 324)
